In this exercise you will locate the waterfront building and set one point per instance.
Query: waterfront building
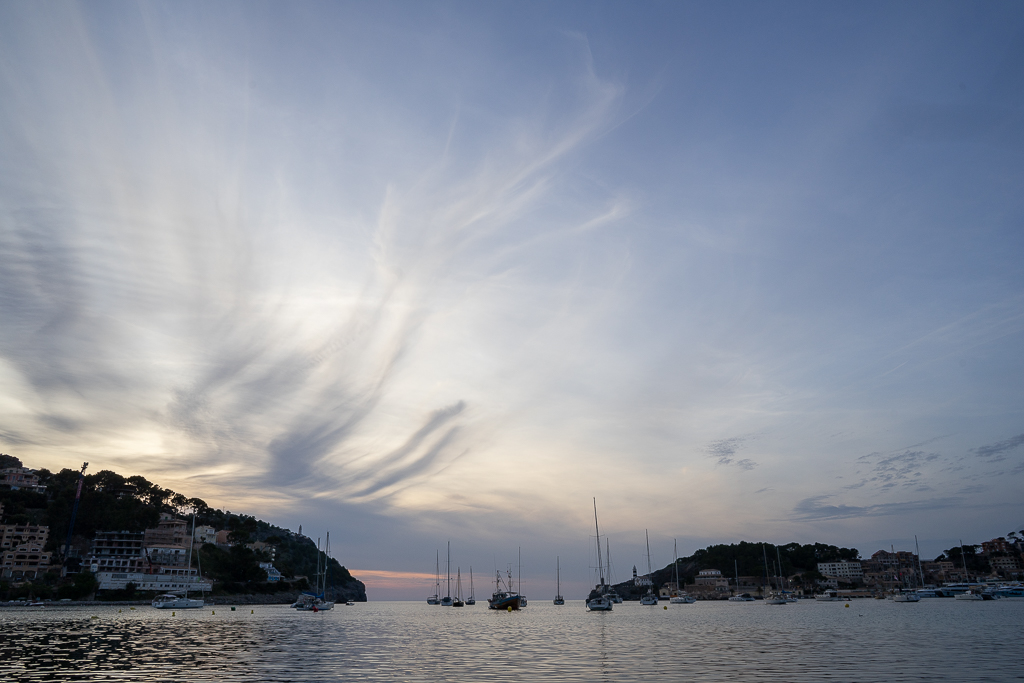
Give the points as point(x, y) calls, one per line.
point(169, 532)
point(712, 579)
point(21, 551)
point(1006, 565)
point(272, 572)
point(162, 580)
point(120, 551)
point(900, 558)
point(844, 570)
point(24, 562)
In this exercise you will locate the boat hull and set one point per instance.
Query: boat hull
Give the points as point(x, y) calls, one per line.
point(506, 602)
point(178, 603)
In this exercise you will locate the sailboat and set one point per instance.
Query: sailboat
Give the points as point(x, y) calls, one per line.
point(317, 600)
point(612, 594)
point(970, 594)
point(522, 598)
point(650, 597)
point(458, 589)
point(598, 600)
point(904, 593)
point(447, 601)
point(739, 597)
point(771, 597)
point(680, 597)
point(559, 600)
point(435, 599)
point(172, 601)
point(471, 600)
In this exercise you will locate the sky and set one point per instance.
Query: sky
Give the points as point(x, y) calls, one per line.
point(415, 273)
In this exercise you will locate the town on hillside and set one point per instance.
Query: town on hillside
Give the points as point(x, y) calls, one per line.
point(74, 536)
point(721, 572)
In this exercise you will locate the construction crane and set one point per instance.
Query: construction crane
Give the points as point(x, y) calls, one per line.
point(74, 513)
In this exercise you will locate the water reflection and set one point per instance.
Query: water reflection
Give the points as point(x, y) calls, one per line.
point(869, 641)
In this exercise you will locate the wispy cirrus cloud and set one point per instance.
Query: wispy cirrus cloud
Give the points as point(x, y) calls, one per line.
point(999, 451)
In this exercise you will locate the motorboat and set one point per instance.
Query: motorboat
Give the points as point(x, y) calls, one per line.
point(742, 597)
point(906, 596)
point(972, 594)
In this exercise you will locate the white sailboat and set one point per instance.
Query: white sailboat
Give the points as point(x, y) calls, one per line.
point(317, 600)
point(598, 601)
point(172, 601)
point(739, 597)
point(612, 593)
point(650, 597)
point(771, 597)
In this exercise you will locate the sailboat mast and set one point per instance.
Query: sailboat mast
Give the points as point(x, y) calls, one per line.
point(191, 545)
point(649, 572)
point(917, 549)
point(449, 569)
point(597, 530)
point(675, 561)
point(558, 576)
point(779, 558)
point(766, 577)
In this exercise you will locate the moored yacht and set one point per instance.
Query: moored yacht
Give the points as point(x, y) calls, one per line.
point(598, 600)
point(171, 601)
point(559, 600)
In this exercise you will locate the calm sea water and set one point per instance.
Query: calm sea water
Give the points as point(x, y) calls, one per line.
point(871, 640)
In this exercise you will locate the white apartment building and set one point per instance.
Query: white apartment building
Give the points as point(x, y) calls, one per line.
point(851, 571)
